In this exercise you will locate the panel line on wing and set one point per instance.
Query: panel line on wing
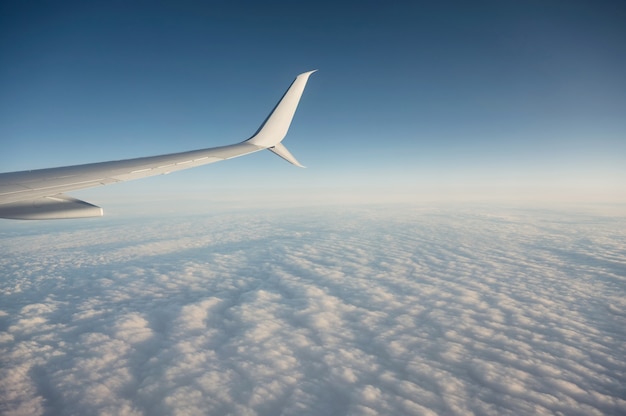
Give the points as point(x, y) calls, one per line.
point(68, 184)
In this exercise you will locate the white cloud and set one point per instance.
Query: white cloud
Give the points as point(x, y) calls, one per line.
point(366, 311)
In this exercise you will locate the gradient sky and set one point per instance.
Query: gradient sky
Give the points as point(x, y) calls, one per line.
point(481, 100)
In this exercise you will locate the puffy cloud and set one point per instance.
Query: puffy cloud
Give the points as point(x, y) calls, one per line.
point(366, 311)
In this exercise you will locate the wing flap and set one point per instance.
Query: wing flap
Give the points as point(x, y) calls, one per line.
point(50, 208)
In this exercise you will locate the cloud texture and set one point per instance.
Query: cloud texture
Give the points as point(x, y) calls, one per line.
point(355, 311)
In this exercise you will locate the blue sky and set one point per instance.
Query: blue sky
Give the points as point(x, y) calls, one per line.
point(481, 100)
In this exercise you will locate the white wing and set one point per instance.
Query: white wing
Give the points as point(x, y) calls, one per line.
point(38, 194)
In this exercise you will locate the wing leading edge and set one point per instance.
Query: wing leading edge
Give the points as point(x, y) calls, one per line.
point(39, 194)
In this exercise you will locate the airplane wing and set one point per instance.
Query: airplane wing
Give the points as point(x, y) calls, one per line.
point(40, 194)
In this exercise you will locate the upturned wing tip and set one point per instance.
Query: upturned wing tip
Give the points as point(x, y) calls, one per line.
point(307, 74)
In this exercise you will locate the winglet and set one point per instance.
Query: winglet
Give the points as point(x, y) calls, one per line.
point(275, 127)
point(282, 151)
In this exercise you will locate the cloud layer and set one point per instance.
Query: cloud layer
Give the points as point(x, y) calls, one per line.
point(360, 311)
